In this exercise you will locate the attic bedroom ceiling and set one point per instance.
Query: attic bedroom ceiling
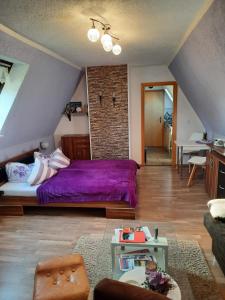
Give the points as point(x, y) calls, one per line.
point(148, 29)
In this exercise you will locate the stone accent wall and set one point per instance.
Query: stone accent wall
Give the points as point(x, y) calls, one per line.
point(108, 123)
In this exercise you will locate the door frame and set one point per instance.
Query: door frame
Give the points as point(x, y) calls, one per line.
point(174, 122)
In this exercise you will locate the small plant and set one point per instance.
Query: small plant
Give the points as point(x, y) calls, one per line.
point(156, 280)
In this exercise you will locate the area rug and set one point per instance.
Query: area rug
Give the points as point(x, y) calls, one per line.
point(186, 261)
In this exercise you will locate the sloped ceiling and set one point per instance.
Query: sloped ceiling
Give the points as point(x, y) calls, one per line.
point(150, 31)
point(199, 68)
point(48, 85)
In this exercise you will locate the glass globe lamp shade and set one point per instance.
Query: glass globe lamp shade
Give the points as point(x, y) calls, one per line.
point(107, 46)
point(116, 49)
point(106, 38)
point(93, 34)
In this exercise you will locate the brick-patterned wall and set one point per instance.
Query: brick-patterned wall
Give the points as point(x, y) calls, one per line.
point(108, 124)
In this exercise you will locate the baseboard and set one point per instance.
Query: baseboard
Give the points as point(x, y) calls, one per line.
point(120, 213)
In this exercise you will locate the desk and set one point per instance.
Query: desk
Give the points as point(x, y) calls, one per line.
point(191, 146)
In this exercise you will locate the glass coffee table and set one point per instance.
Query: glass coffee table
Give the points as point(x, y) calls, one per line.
point(129, 259)
point(131, 254)
point(164, 251)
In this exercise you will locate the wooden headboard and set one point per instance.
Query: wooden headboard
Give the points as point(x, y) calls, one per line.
point(26, 158)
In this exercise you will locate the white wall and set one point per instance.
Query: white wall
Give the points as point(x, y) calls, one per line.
point(15, 150)
point(187, 120)
point(78, 124)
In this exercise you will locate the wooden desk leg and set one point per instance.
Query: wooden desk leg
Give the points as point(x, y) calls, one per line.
point(178, 158)
point(181, 161)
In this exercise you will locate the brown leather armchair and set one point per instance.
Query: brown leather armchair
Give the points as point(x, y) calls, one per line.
point(108, 289)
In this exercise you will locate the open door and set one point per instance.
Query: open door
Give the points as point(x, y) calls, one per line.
point(154, 118)
point(158, 122)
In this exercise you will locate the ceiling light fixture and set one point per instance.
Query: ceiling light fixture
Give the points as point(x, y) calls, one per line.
point(106, 39)
point(107, 46)
point(116, 49)
point(93, 33)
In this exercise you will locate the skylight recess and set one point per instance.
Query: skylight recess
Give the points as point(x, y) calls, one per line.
point(11, 79)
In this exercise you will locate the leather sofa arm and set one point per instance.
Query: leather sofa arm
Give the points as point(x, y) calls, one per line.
point(115, 290)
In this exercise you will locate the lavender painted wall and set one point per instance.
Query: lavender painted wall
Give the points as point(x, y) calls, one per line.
point(48, 85)
point(199, 68)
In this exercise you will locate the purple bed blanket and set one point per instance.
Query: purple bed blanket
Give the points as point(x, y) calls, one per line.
point(92, 180)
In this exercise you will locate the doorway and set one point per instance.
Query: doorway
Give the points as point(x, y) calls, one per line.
point(159, 113)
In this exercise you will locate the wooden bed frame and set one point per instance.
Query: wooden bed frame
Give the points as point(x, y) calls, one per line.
point(13, 205)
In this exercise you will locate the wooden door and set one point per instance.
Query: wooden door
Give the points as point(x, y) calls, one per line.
point(154, 118)
point(211, 178)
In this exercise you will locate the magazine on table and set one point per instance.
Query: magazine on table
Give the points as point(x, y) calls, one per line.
point(129, 262)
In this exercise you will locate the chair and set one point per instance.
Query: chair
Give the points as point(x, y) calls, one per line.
point(195, 161)
point(195, 136)
point(115, 290)
point(60, 278)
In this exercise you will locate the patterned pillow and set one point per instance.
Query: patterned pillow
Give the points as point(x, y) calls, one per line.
point(18, 172)
point(44, 157)
point(40, 172)
point(58, 160)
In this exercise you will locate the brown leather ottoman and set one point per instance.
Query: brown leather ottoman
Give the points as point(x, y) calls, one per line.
point(61, 278)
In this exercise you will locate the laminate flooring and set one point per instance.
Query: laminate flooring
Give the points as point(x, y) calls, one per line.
point(43, 233)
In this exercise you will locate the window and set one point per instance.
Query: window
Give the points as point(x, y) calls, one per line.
point(12, 74)
point(5, 67)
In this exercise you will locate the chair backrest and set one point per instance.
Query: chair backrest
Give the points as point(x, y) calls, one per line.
point(196, 136)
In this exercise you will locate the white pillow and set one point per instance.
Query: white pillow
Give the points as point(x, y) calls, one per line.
point(40, 172)
point(18, 172)
point(58, 160)
point(217, 208)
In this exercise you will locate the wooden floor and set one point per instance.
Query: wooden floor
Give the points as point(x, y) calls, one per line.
point(38, 235)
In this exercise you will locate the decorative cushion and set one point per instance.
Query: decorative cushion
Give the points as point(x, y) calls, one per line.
point(44, 157)
point(217, 208)
point(18, 172)
point(40, 172)
point(58, 160)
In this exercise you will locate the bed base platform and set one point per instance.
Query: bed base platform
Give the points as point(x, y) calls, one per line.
point(11, 210)
point(13, 205)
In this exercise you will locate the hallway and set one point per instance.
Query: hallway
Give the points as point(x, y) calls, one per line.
point(157, 156)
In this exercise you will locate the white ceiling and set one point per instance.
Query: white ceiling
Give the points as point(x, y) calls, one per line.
point(150, 31)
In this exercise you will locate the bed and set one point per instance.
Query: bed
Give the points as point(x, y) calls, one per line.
point(107, 184)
